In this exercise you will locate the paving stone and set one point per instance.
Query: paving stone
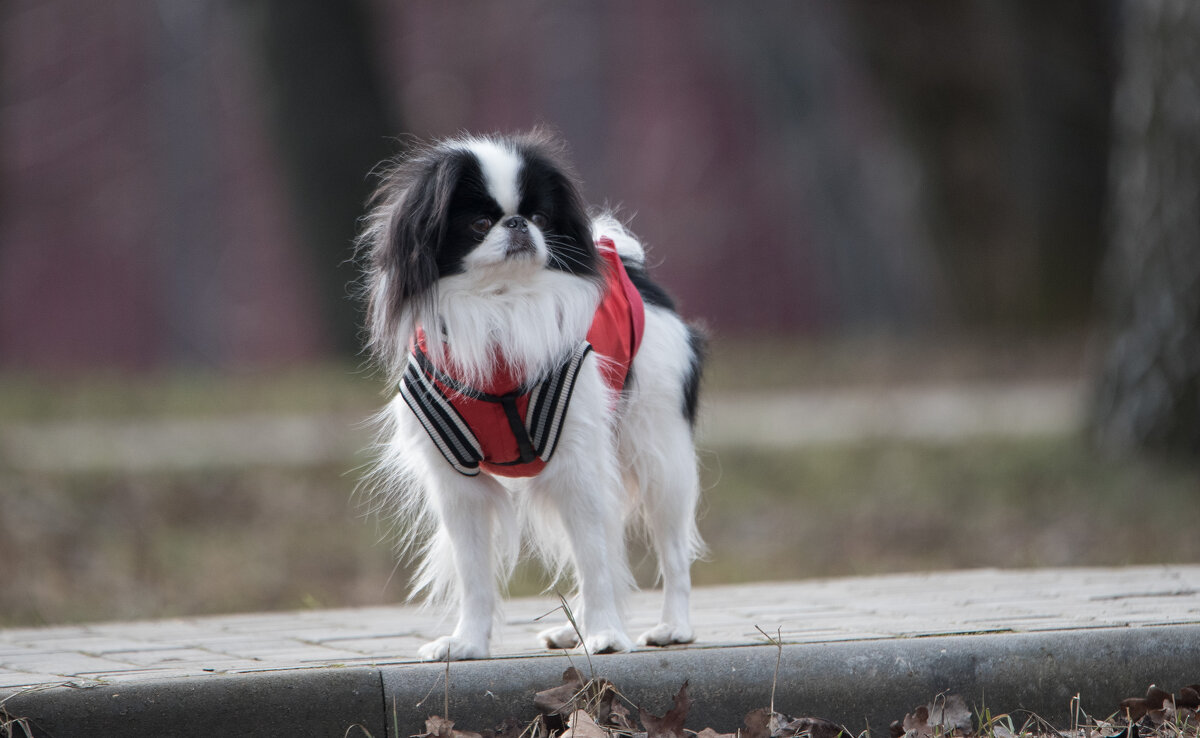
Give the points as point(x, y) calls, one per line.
point(27, 679)
point(814, 612)
point(64, 663)
point(172, 657)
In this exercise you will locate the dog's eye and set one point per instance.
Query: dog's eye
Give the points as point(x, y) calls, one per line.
point(540, 220)
point(482, 225)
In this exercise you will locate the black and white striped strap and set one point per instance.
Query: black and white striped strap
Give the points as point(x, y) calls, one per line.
point(441, 421)
point(548, 403)
point(449, 431)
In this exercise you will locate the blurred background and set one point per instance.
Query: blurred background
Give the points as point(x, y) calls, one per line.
point(948, 253)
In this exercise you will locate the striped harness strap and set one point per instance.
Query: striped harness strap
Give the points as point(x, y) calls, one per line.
point(511, 435)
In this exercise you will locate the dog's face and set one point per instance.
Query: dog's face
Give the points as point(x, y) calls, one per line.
point(491, 209)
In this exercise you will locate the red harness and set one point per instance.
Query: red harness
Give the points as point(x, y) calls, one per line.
point(505, 428)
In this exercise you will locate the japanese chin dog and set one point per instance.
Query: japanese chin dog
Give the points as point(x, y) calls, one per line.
point(546, 390)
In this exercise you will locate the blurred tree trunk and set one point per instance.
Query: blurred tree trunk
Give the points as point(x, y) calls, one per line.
point(1005, 104)
point(1149, 389)
point(331, 125)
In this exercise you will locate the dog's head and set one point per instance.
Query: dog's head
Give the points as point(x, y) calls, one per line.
point(483, 211)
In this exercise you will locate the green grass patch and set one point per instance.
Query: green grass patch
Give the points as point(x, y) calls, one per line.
point(101, 546)
point(334, 388)
point(901, 506)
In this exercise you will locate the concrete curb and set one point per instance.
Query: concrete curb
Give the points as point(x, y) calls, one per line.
point(860, 684)
point(299, 703)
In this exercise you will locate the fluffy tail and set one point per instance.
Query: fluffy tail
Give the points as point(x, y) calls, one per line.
point(628, 247)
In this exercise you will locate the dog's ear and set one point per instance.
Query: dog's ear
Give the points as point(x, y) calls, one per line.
point(573, 242)
point(548, 170)
point(405, 230)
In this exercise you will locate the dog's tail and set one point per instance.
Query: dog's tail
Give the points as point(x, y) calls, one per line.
point(606, 225)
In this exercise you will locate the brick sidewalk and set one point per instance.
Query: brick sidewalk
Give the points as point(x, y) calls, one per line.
point(815, 612)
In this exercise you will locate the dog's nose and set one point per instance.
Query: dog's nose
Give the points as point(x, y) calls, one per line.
point(517, 222)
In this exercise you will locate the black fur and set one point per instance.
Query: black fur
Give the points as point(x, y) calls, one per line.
point(549, 186)
point(691, 384)
point(420, 225)
point(653, 294)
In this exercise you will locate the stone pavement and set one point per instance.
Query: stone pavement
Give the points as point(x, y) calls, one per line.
point(57, 676)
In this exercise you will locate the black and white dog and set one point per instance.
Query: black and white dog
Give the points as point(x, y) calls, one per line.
point(547, 389)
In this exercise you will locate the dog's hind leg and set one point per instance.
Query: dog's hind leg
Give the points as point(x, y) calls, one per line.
point(670, 490)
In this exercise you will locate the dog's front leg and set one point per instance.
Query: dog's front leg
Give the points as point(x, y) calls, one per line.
point(587, 499)
point(462, 551)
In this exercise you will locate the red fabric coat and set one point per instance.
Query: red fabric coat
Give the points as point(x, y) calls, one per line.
point(490, 427)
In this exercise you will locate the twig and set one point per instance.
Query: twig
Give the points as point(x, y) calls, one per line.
point(446, 689)
point(777, 641)
point(582, 643)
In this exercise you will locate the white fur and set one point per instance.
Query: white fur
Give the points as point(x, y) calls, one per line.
point(616, 464)
point(618, 460)
point(607, 225)
point(530, 316)
point(500, 165)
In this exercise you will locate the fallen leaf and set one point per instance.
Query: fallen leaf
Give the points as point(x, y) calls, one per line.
point(440, 727)
point(671, 724)
point(1002, 731)
point(758, 724)
point(510, 728)
point(945, 715)
point(1130, 731)
point(1134, 709)
point(1154, 707)
point(560, 700)
point(1155, 697)
point(581, 725)
point(810, 727)
point(916, 723)
point(762, 723)
point(950, 714)
point(618, 714)
point(710, 733)
point(1189, 697)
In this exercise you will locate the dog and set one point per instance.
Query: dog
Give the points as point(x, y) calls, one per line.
point(547, 389)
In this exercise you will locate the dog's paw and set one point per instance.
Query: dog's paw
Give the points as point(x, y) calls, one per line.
point(667, 634)
point(608, 641)
point(451, 648)
point(564, 636)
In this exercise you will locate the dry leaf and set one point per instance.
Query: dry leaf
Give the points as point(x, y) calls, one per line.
point(1189, 697)
point(560, 700)
point(618, 715)
point(510, 728)
point(944, 716)
point(758, 724)
point(1150, 707)
point(671, 724)
point(440, 727)
point(916, 724)
point(1156, 697)
point(1134, 709)
point(762, 723)
point(1002, 731)
point(581, 725)
point(710, 733)
point(951, 715)
point(810, 727)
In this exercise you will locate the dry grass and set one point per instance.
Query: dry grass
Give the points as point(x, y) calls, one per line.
point(86, 547)
point(117, 544)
